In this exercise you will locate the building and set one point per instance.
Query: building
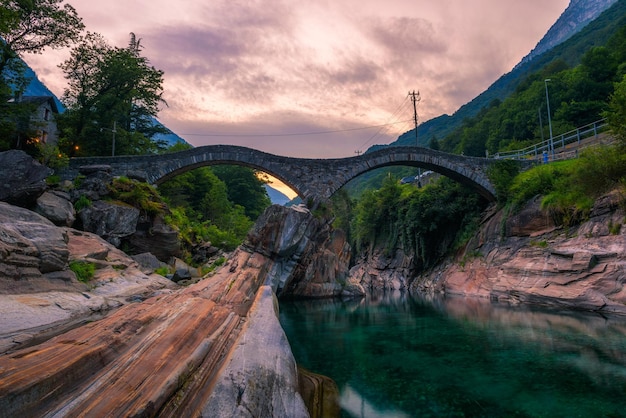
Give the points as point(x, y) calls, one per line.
point(43, 118)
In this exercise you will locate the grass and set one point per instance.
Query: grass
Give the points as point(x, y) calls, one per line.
point(569, 188)
point(140, 195)
point(82, 202)
point(163, 271)
point(83, 270)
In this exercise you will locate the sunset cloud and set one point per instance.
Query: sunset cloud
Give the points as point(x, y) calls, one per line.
point(272, 74)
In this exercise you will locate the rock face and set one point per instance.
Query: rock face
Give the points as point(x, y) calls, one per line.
point(30, 246)
point(577, 268)
point(264, 356)
point(40, 296)
point(111, 221)
point(310, 258)
point(157, 238)
point(23, 179)
point(214, 348)
point(380, 272)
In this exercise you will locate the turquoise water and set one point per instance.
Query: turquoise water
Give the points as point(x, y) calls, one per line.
point(400, 356)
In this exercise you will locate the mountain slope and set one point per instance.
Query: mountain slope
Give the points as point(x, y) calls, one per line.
point(582, 35)
point(577, 15)
point(275, 196)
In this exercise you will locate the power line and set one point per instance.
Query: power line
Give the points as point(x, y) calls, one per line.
point(395, 113)
point(295, 134)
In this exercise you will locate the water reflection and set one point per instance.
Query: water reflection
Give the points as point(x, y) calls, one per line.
point(397, 355)
point(354, 404)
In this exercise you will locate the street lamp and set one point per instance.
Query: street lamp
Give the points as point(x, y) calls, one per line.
point(551, 144)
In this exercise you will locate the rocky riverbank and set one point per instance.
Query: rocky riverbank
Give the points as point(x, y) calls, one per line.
point(132, 343)
point(524, 258)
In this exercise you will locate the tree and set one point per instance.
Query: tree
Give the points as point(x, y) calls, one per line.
point(30, 26)
point(433, 143)
point(27, 26)
point(616, 115)
point(244, 188)
point(110, 89)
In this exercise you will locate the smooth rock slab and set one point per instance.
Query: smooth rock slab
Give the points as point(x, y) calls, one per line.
point(260, 378)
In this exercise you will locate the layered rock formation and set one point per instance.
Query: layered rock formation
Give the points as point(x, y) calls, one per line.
point(310, 258)
point(377, 271)
point(40, 296)
point(581, 268)
point(214, 348)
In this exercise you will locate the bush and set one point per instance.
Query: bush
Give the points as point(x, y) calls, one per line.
point(501, 175)
point(138, 194)
point(569, 188)
point(53, 180)
point(83, 270)
point(82, 202)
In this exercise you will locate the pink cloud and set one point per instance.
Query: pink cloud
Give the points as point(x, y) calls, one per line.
point(303, 66)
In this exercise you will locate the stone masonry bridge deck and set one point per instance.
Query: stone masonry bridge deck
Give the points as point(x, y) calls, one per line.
point(309, 178)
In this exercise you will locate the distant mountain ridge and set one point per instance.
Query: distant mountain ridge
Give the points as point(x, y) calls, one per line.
point(580, 17)
point(277, 197)
point(577, 15)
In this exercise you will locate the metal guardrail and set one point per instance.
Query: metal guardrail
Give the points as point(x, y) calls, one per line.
point(561, 147)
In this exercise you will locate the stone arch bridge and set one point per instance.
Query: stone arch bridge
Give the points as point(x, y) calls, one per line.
point(309, 178)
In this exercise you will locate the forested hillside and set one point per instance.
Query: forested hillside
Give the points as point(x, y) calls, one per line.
point(512, 113)
point(569, 53)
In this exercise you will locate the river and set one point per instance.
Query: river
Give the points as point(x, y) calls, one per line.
point(396, 355)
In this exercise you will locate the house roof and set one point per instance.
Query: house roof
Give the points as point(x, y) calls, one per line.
point(39, 100)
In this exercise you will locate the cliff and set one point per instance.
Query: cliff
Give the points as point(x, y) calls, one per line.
point(522, 258)
point(525, 258)
point(577, 15)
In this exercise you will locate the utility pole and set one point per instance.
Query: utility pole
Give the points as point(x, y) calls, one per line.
point(357, 152)
point(114, 131)
point(415, 98)
point(113, 144)
point(551, 144)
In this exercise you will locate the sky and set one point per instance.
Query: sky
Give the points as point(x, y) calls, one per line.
point(314, 78)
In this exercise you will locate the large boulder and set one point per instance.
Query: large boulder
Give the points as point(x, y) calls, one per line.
point(310, 257)
point(22, 179)
point(110, 220)
point(56, 208)
point(95, 184)
point(159, 239)
point(30, 246)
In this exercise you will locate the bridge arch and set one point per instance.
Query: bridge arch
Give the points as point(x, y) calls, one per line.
point(470, 171)
point(309, 178)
